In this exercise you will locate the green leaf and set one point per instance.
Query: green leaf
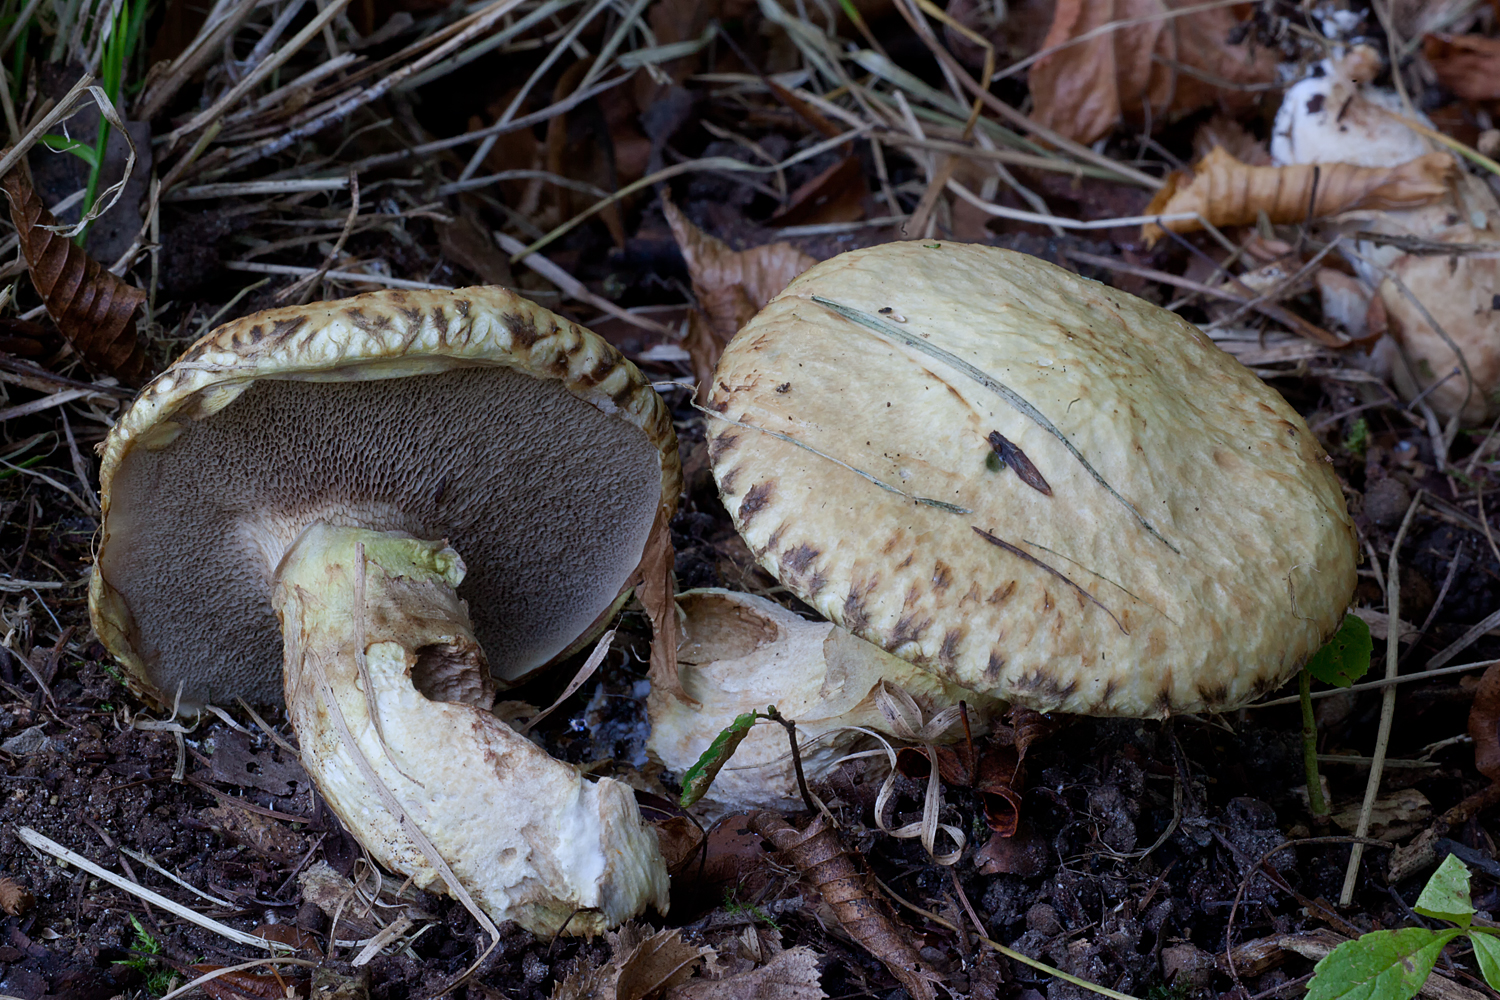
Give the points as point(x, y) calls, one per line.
point(700, 777)
point(1446, 894)
point(1346, 658)
point(1381, 965)
point(1487, 950)
point(63, 144)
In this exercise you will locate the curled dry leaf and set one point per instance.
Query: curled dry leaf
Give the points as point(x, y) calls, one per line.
point(1156, 69)
point(93, 308)
point(730, 285)
point(1468, 65)
point(1229, 193)
point(654, 588)
point(15, 898)
point(861, 909)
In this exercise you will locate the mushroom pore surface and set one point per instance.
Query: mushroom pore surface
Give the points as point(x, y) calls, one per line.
point(548, 500)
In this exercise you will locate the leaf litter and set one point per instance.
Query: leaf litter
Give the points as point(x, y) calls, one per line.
point(252, 192)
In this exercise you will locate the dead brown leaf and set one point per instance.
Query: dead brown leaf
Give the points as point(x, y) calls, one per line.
point(259, 833)
point(15, 898)
point(643, 967)
point(790, 975)
point(861, 909)
point(1221, 130)
point(94, 309)
point(655, 589)
point(836, 194)
point(1468, 65)
point(681, 843)
point(731, 285)
point(245, 984)
point(1230, 193)
point(1154, 70)
point(1484, 724)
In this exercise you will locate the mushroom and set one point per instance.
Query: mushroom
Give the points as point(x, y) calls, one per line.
point(400, 495)
point(741, 653)
point(1029, 483)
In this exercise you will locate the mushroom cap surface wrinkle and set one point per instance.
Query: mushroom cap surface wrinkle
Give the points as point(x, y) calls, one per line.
point(474, 416)
point(1032, 484)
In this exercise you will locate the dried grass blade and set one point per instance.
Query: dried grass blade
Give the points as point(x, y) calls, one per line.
point(44, 843)
point(926, 501)
point(1005, 392)
point(1023, 554)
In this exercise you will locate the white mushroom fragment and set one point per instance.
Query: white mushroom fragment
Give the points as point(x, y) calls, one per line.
point(1029, 483)
point(741, 653)
point(414, 484)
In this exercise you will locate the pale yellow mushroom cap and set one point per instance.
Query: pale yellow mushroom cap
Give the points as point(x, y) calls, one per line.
point(1194, 549)
point(475, 416)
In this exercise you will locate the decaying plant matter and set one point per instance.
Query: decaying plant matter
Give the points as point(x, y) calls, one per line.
point(93, 308)
point(860, 908)
point(1227, 192)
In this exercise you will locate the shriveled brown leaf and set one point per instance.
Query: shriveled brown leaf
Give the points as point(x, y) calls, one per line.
point(15, 898)
point(861, 909)
point(731, 285)
point(290, 934)
point(655, 965)
point(259, 833)
point(94, 309)
point(1230, 193)
point(655, 590)
point(1160, 67)
point(837, 194)
point(681, 842)
point(644, 967)
point(1468, 65)
point(1484, 724)
point(790, 975)
point(246, 984)
point(1221, 130)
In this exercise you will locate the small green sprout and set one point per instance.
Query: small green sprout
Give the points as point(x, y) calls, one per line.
point(1393, 965)
point(1358, 438)
point(1341, 662)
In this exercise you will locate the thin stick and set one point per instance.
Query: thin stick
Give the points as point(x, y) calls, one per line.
point(1387, 705)
point(1376, 685)
point(575, 289)
point(707, 163)
point(791, 734)
point(44, 843)
point(1010, 953)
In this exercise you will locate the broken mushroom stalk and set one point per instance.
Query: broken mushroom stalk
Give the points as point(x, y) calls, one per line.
point(407, 498)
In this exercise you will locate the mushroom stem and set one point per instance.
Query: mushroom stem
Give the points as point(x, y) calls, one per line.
point(389, 694)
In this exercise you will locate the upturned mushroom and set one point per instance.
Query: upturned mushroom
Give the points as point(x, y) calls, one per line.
point(1029, 483)
point(375, 505)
